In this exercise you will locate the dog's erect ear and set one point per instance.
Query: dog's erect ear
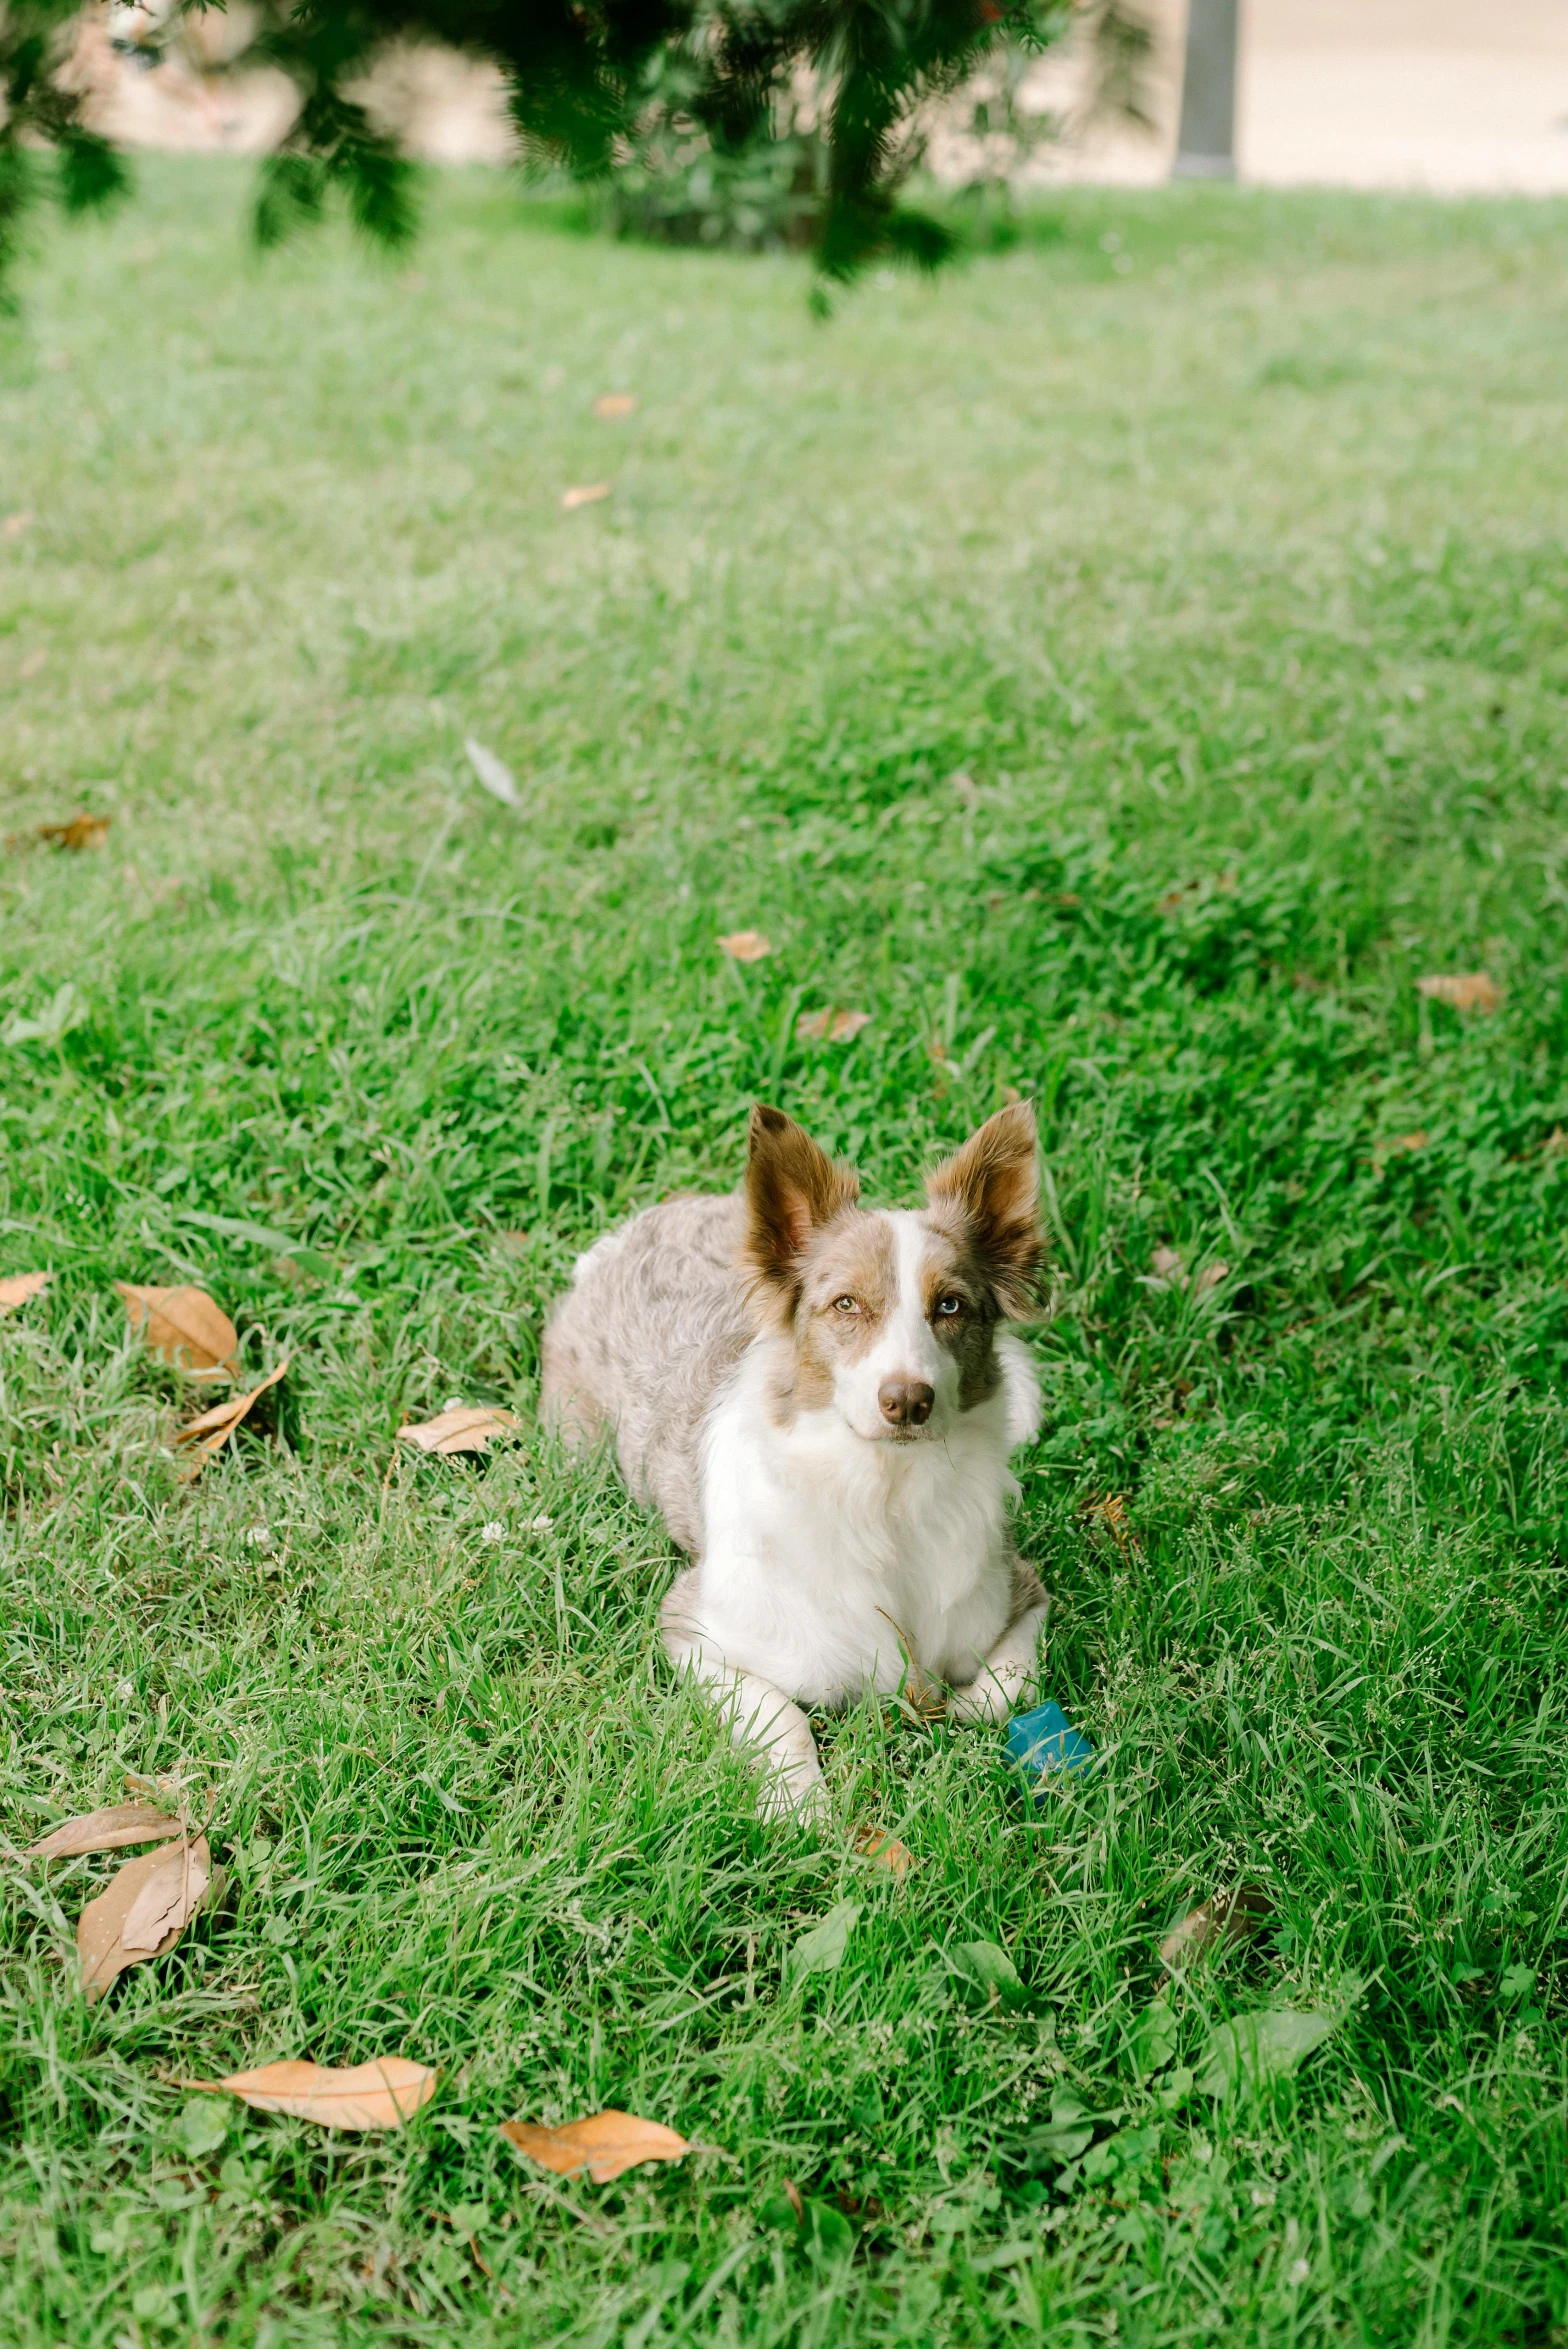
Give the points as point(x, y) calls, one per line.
point(791, 1188)
point(994, 1184)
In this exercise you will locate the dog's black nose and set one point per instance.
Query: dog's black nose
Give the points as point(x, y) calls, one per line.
point(906, 1402)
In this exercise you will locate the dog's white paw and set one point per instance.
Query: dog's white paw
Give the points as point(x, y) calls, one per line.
point(985, 1699)
point(792, 1795)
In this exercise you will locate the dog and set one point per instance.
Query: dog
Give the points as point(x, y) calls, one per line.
point(821, 1400)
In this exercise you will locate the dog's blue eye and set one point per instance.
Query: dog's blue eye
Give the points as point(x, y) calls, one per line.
point(946, 1307)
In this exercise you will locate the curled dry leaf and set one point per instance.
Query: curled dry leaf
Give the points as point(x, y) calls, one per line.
point(494, 773)
point(1209, 1278)
point(213, 1429)
point(1461, 990)
point(604, 2145)
point(82, 832)
point(462, 1427)
point(832, 1026)
point(746, 945)
point(20, 1287)
point(379, 2095)
point(1398, 1145)
point(615, 404)
point(1229, 1917)
point(142, 1912)
point(110, 1830)
point(884, 1851)
point(587, 493)
point(183, 1327)
point(1167, 1266)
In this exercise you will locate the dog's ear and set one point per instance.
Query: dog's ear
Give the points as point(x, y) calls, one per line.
point(993, 1182)
point(792, 1187)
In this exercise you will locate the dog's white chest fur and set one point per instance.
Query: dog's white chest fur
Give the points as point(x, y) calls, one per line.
point(830, 1565)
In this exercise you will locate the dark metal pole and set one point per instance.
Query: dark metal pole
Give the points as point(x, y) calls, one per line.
point(1206, 142)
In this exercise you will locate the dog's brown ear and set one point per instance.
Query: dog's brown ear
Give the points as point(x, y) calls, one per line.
point(994, 1184)
point(792, 1187)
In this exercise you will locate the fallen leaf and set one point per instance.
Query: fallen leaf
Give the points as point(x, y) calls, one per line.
point(15, 524)
point(182, 1326)
point(81, 832)
point(1461, 990)
point(885, 1851)
point(746, 945)
point(461, 1427)
point(378, 2095)
point(108, 1830)
point(1209, 1278)
point(20, 1287)
point(1166, 1265)
point(1231, 1916)
point(588, 494)
point(1257, 2048)
point(604, 2144)
point(494, 773)
point(1399, 1143)
point(615, 404)
point(161, 1889)
point(168, 1898)
point(820, 1949)
point(1555, 1144)
point(832, 1027)
point(213, 1429)
point(988, 1969)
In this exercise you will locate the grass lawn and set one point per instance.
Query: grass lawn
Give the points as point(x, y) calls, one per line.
point(1124, 683)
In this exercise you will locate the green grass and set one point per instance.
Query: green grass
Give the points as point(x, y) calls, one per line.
point(1235, 583)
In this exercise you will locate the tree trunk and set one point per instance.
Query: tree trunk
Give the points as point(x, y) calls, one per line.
point(1206, 142)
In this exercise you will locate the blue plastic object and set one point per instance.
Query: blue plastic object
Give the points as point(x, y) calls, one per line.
point(1044, 1741)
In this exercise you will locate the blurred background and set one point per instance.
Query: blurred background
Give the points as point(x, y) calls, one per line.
point(1442, 95)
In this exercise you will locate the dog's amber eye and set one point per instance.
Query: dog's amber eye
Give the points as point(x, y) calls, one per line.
point(947, 1306)
point(845, 1305)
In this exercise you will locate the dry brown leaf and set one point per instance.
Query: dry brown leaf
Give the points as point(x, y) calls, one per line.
point(162, 1888)
point(79, 833)
point(108, 1830)
point(1209, 1278)
point(213, 1429)
point(831, 1026)
point(20, 1287)
point(588, 494)
point(1166, 1265)
point(885, 1851)
point(182, 1326)
point(15, 524)
point(1397, 1143)
point(465, 1427)
point(603, 2145)
point(615, 404)
point(746, 945)
point(1229, 1917)
point(378, 2095)
point(1461, 990)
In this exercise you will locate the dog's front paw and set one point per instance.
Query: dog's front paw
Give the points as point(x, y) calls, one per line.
point(786, 1794)
point(985, 1699)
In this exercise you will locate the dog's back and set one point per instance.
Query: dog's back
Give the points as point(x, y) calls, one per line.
point(655, 1320)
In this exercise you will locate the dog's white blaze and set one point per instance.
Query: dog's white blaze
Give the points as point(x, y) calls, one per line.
point(906, 1346)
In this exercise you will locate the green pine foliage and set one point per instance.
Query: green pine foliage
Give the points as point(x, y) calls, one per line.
point(1123, 670)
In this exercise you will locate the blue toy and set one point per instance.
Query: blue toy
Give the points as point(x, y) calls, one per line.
point(1044, 1741)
